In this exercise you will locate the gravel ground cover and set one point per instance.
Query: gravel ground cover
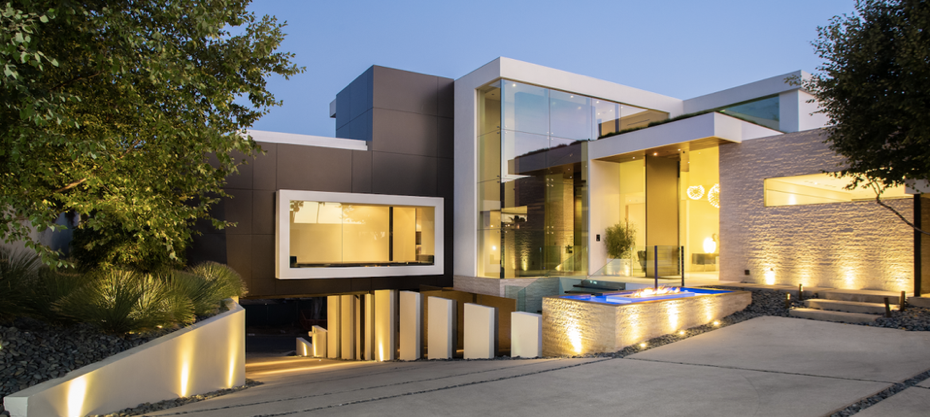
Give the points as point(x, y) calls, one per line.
point(177, 402)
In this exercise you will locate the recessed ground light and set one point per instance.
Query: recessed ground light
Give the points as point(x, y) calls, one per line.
point(681, 332)
point(716, 323)
point(642, 345)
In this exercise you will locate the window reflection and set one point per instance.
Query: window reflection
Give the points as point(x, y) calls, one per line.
point(763, 111)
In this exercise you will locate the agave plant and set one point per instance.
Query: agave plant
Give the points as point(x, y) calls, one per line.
point(119, 301)
point(17, 272)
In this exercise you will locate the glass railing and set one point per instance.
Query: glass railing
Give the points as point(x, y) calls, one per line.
point(661, 262)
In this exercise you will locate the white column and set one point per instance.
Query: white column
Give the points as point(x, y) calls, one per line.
point(319, 342)
point(525, 335)
point(369, 332)
point(333, 325)
point(303, 348)
point(385, 325)
point(411, 326)
point(480, 331)
point(347, 332)
point(441, 334)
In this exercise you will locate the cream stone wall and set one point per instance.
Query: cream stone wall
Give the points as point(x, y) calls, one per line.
point(856, 245)
point(574, 327)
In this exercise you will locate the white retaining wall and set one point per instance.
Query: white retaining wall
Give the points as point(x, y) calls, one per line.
point(441, 334)
point(480, 331)
point(207, 356)
point(411, 325)
point(525, 335)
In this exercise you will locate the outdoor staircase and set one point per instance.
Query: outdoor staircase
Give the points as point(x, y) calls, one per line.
point(847, 306)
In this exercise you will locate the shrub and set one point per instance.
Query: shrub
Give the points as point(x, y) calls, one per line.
point(17, 271)
point(205, 295)
point(230, 279)
point(619, 240)
point(119, 301)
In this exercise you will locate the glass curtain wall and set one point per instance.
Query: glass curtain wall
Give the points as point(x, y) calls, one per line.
point(531, 192)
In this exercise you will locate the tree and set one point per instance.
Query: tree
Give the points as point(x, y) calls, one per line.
point(111, 109)
point(875, 88)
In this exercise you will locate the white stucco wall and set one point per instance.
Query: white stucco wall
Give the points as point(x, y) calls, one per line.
point(208, 356)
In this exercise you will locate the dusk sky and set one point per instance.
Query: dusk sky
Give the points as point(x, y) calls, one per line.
point(681, 49)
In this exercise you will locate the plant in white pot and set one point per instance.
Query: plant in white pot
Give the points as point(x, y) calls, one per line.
point(619, 240)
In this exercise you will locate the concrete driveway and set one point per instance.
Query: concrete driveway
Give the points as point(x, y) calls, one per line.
point(769, 366)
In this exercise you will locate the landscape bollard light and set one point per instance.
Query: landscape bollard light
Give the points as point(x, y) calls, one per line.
point(902, 303)
point(887, 308)
point(788, 300)
point(800, 292)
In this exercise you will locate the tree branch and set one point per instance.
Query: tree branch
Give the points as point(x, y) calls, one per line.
point(70, 186)
point(878, 200)
point(74, 80)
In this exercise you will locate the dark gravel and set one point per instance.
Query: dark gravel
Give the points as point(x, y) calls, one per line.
point(177, 402)
point(33, 351)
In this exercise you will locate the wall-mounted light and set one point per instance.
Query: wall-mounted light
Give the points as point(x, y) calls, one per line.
point(713, 196)
point(695, 192)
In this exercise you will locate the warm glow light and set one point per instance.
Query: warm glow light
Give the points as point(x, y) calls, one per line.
point(77, 390)
point(493, 247)
point(709, 245)
point(716, 323)
point(185, 376)
point(713, 196)
point(695, 192)
point(642, 345)
point(230, 378)
point(649, 292)
point(681, 332)
point(381, 352)
point(770, 277)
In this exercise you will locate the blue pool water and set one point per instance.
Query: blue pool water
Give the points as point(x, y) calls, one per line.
point(612, 297)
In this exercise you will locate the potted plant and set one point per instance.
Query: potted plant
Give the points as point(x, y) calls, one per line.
point(619, 240)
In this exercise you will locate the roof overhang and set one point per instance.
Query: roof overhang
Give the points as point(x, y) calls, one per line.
point(705, 127)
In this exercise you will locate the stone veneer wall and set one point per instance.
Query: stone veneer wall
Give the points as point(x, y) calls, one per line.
point(856, 245)
point(573, 327)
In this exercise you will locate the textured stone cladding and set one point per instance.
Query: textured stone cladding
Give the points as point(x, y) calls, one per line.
point(855, 245)
point(575, 327)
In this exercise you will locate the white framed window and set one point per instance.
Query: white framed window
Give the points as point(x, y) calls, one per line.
point(344, 235)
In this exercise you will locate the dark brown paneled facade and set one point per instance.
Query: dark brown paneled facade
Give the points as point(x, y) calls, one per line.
point(407, 120)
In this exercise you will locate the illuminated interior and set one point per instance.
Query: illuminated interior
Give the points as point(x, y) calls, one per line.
point(820, 188)
point(332, 234)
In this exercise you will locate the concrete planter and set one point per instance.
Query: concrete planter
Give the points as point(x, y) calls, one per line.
point(578, 327)
point(207, 356)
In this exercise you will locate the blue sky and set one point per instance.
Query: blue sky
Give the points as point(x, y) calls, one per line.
point(678, 48)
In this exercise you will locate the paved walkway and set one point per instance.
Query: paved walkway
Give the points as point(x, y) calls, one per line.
point(767, 366)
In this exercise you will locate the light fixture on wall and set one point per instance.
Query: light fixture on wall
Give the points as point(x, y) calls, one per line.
point(695, 192)
point(713, 196)
point(710, 244)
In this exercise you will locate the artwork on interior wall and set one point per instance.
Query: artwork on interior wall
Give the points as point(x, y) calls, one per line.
point(713, 196)
point(695, 192)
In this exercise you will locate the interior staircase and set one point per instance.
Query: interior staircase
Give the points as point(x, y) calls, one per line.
point(847, 306)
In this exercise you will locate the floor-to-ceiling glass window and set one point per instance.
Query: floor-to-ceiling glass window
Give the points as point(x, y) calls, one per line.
point(531, 192)
point(699, 210)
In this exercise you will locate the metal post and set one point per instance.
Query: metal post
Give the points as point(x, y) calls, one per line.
point(887, 308)
point(800, 292)
point(655, 259)
point(902, 303)
point(681, 252)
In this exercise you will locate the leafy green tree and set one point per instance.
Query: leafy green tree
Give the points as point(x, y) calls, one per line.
point(110, 109)
point(875, 87)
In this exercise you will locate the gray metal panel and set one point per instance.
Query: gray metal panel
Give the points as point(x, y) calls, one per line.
point(400, 174)
point(265, 168)
point(314, 168)
point(359, 128)
point(355, 99)
point(239, 211)
point(445, 137)
point(239, 256)
point(361, 171)
point(298, 287)
point(263, 280)
point(207, 247)
point(242, 179)
point(405, 91)
point(404, 132)
point(263, 212)
point(446, 97)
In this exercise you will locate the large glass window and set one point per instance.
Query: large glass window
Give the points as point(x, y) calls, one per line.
point(764, 111)
point(333, 234)
point(819, 189)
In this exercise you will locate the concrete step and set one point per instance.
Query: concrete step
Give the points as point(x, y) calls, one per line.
point(919, 301)
point(837, 316)
point(847, 306)
point(861, 296)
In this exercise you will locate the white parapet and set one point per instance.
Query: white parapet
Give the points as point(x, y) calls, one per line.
point(368, 351)
point(333, 325)
point(525, 335)
point(303, 347)
point(441, 328)
point(347, 327)
point(411, 326)
point(385, 325)
point(207, 356)
point(480, 331)
point(318, 336)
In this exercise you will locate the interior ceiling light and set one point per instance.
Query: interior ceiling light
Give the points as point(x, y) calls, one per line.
point(713, 196)
point(695, 192)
